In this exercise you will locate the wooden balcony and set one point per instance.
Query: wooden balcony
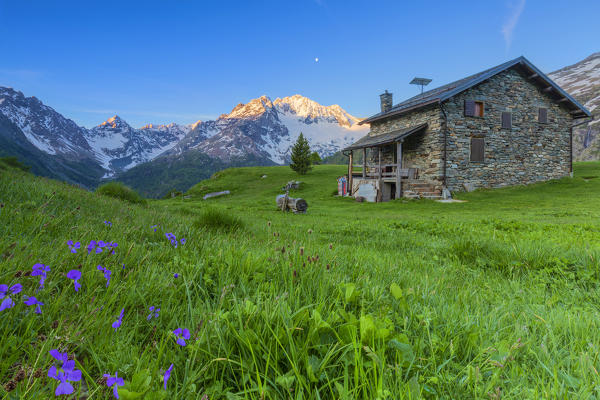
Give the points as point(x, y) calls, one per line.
point(386, 172)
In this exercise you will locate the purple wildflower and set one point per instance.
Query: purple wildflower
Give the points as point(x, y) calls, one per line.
point(91, 246)
point(115, 382)
point(167, 375)
point(117, 323)
point(108, 223)
point(75, 275)
point(65, 373)
point(73, 246)
point(32, 301)
point(182, 240)
point(5, 294)
point(182, 335)
point(175, 275)
point(107, 273)
point(154, 227)
point(172, 239)
point(153, 311)
point(40, 270)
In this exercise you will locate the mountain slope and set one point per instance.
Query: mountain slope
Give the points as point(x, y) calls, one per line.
point(582, 81)
point(119, 147)
point(268, 129)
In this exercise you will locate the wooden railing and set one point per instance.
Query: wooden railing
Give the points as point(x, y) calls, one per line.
point(387, 171)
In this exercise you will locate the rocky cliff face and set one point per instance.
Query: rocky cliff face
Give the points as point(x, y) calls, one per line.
point(582, 81)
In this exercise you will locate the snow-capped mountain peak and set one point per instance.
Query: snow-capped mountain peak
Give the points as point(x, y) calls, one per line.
point(310, 109)
point(253, 108)
point(115, 122)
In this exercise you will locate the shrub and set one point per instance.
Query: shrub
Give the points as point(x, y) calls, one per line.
point(118, 190)
point(218, 220)
point(172, 193)
point(14, 163)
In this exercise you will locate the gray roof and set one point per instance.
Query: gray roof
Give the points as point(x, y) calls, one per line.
point(386, 138)
point(445, 92)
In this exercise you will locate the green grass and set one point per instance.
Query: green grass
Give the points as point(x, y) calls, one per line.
point(406, 299)
point(118, 190)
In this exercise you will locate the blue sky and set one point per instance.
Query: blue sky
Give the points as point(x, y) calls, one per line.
point(183, 60)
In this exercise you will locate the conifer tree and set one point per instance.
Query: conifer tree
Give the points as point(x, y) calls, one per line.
point(301, 156)
point(315, 158)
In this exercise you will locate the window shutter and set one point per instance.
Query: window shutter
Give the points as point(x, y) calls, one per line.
point(469, 108)
point(477, 147)
point(543, 115)
point(506, 120)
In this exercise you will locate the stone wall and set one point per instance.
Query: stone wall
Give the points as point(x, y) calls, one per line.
point(528, 152)
point(420, 150)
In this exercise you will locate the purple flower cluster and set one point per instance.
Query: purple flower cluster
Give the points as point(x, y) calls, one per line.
point(117, 323)
point(32, 301)
point(115, 382)
point(100, 245)
point(64, 373)
point(155, 227)
point(182, 335)
point(40, 270)
point(73, 246)
point(107, 223)
point(107, 273)
point(153, 313)
point(6, 292)
point(75, 275)
point(173, 239)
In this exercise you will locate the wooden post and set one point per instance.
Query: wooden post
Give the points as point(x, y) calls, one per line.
point(364, 162)
point(398, 168)
point(350, 173)
point(380, 192)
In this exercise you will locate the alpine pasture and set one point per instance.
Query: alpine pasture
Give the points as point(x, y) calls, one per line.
point(229, 298)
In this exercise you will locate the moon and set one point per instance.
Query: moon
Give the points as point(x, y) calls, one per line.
point(316, 59)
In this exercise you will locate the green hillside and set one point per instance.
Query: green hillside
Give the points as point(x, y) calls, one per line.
point(495, 297)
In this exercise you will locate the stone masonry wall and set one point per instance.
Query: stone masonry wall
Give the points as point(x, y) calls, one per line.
point(527, 153)
point(420, 150)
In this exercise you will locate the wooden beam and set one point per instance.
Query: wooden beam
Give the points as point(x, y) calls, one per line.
point(532, 76)
point(380, 194)
point(398, 168)
point(350, 172)
point(364, 162)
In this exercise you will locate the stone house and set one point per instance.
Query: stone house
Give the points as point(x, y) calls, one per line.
point(507, 125)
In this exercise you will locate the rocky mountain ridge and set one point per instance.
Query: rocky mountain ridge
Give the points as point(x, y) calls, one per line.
point(261, 129)
point(582, 81)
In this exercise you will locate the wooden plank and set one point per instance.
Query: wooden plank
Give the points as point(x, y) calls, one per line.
point(350, 173)
point(399, 170)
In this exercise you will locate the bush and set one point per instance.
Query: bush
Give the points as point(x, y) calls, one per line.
point(118, 190)
point(14, 163)
point(172, 193)
point(218, 220)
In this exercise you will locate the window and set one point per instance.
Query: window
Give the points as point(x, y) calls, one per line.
point(477, 147)
point(506, 120)
point(474, 108)
point(543, 115)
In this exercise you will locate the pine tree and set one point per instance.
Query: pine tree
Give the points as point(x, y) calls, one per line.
point(301, 156)
point(315, 158)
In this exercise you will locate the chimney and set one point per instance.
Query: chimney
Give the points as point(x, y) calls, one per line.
point(386, 101)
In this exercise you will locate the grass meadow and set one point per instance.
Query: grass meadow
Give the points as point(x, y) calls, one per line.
point(493, 298)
